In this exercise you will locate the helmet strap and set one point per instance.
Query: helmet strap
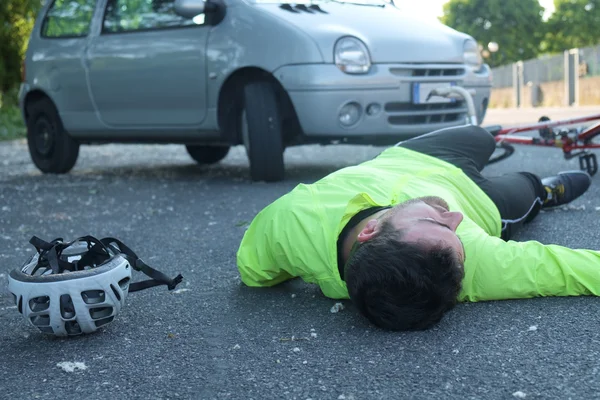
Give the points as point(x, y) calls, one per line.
point(157, 277)
point(98, 252)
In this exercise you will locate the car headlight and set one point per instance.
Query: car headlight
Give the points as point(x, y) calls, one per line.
point(471, 53)
point(351, 56)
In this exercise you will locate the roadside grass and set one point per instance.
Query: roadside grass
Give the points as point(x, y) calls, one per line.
point(11, 123)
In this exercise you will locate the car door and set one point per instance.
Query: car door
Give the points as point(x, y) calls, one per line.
point(54, 60)
point(147, 66)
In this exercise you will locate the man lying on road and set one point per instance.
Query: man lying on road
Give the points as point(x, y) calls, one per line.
point(412, 232)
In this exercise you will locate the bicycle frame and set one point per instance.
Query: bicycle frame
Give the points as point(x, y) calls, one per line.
point(563, 140)
point(568, 140)
point(567, 144)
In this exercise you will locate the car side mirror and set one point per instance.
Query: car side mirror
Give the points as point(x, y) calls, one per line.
point(189, 8)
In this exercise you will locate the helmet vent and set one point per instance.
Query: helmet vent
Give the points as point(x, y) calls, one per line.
point(101, 312)
point(38, 304)
point(41, 320)
point(67, 309)
point(116, 292)
point(72, 328)
point(93, 296)
point(20, 304)
point(104, 321)
point(124, 284)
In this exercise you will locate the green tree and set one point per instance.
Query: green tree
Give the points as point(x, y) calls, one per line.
point(516, 25)
point(16, 21)
point(574, 24)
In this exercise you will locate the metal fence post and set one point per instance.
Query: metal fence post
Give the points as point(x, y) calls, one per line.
point(571, 77)
point(576, 75)
point(518, 83)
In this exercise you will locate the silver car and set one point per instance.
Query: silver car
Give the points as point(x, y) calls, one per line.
point(218, 73)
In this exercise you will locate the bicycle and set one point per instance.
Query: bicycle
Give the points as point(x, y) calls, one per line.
point(574, 141)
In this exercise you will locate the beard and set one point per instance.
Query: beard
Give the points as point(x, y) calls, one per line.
point(435, 201)
point(431, 200)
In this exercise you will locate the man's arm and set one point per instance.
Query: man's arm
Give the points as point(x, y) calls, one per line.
point(498, 270)
point(288, 239)
point(256, 257)
point(261, 277)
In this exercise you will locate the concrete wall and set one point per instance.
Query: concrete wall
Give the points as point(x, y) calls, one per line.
point(589, 91)
point(502, 98)
point(552, 94)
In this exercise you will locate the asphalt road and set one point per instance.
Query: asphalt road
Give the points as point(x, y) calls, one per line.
point(217, 339)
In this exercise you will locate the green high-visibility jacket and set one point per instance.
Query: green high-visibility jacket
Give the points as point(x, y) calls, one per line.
point(296, 236)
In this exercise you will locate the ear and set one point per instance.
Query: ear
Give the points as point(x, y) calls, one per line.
point(369, 231)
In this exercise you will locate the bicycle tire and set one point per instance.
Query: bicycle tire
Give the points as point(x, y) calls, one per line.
point(508, 151)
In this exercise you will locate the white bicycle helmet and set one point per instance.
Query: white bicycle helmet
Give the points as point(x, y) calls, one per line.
point(70, 288)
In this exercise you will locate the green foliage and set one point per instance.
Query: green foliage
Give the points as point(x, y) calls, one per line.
point(516, 25)
point(16, 22)
point(11, 123)
point(574, 24)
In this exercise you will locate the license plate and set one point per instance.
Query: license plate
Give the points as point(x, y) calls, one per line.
point(421, 92)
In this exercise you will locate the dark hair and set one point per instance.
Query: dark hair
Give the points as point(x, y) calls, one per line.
point(402, 286)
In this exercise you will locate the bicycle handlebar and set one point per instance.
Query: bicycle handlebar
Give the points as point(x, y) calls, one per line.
point(454, 91)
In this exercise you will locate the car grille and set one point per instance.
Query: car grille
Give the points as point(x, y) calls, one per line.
point(438, 72)
point(402, 113)
point(413, 71)
point(416, 114)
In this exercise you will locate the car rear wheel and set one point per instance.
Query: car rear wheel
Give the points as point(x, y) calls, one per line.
point(262, 132)
point(51, 148)
point(207, 154)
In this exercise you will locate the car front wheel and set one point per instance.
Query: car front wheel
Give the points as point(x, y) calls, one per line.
point(51, 148)
point(262, 132)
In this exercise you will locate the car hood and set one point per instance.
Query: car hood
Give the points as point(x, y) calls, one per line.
point(391, 35)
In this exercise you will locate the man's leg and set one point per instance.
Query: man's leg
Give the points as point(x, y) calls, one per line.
point(467, 147)
point(512, 192)
point(519, 197)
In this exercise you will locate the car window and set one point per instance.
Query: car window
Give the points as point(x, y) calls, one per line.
point(68, 18)
point(136, 15)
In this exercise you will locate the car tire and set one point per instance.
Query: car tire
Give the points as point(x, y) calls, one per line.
point(51, 148)
point(207, 154)
point(262, 132)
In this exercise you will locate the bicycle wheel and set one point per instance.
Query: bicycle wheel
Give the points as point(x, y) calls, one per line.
point(503, 151)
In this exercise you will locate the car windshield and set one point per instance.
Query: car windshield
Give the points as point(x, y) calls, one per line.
point(374, 3)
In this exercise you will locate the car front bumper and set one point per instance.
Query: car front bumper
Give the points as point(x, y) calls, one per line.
point(318, 93)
